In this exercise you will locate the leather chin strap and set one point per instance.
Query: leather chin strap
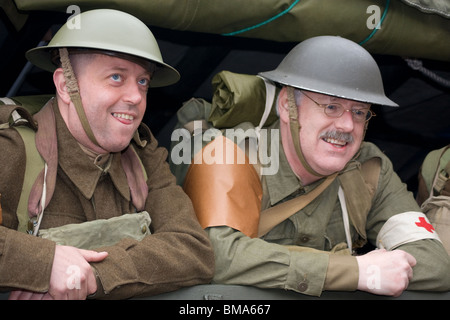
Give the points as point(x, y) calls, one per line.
point(295, 130)
point(74, 92)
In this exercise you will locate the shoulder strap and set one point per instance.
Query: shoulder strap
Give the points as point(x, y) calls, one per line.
point(19, 118)
point(359, 185)
point(41, 168)
point(368, 176)
point(371, 173)
point(34, 165)
point(271, 217)
point(442, 175)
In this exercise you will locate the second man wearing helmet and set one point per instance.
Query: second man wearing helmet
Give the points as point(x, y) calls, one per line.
point(343, 191)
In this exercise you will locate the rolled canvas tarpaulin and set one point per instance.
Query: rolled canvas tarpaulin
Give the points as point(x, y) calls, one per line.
point(407, 28)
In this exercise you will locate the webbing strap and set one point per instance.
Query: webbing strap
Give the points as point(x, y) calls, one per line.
point(348, 236)
point(274, 215)
point(34, 165)
point(74, 93)
point(295, 130)
point(363, 181)
point(359, 185)
point(441, 177)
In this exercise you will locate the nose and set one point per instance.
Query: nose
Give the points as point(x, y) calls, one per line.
point(345, 122)
point(132, 93)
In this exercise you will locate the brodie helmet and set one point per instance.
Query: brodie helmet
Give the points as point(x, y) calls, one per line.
point(328, 65)
point(333, 66)
point(110, 31)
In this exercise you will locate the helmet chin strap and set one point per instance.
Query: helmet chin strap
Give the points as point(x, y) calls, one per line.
point(74, 92)
point(295, 131)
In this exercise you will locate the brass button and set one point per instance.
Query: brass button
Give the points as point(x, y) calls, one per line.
point(144, 229)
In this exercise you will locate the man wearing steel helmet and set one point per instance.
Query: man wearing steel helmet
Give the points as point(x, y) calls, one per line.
point(327, 86)
point(103, 169)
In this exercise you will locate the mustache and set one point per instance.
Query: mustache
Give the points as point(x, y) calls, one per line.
point(337, 135)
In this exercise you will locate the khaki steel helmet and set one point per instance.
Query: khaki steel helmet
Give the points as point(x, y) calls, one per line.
point(108, 31)
point(334, 66)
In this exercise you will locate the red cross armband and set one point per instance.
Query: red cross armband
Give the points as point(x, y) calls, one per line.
point(403, 228)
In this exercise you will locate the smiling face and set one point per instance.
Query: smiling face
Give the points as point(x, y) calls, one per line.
point(328, 144)
point(114, 96)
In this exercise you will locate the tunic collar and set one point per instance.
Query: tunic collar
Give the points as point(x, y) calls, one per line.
point(81, 169)
point(285, 183)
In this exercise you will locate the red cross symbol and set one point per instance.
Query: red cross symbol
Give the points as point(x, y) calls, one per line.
point(425, 224)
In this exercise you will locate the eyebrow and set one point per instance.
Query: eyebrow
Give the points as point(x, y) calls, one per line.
point(124, 69)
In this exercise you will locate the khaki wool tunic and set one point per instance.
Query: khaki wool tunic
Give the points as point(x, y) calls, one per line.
point(178, 253)
point(267, 262)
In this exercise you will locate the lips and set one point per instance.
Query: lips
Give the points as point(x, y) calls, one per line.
point(335, 142)
point(123, 116)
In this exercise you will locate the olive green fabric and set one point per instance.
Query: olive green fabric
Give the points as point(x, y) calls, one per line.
point(434, 192)
point(34, 162)
point(31, 103)
point(238, 98)
point(179, 251)
point(102, 232)
point(274, 263)
point(192, 110)
point(440, 7)
point(94, 234)
point(17, 18)
point(436, 160)
point(34, 165)
point(410, 28)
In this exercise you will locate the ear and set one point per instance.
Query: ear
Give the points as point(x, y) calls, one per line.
point(60, 84)
point(282, 105)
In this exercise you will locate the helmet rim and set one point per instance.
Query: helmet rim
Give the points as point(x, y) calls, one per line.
point(108, 30)
point(348, 72)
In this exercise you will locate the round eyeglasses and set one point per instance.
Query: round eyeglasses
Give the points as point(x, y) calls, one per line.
point(336, 110)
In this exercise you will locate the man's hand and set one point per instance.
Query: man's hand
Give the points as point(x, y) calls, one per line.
point(72, 276)
point(385, 272)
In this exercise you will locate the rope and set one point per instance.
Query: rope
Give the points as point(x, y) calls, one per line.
point(417, 65)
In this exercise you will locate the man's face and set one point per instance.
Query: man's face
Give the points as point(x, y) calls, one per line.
point(328, 144)
point(114, 97)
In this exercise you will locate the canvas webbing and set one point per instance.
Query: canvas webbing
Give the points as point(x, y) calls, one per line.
point(441, 177)
point(74, 92)
point(34, 165)
point(295, 130)
point(359, 187)
point(366, 183)
point(272, 216)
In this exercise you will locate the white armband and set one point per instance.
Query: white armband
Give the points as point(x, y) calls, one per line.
point(403, 228)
